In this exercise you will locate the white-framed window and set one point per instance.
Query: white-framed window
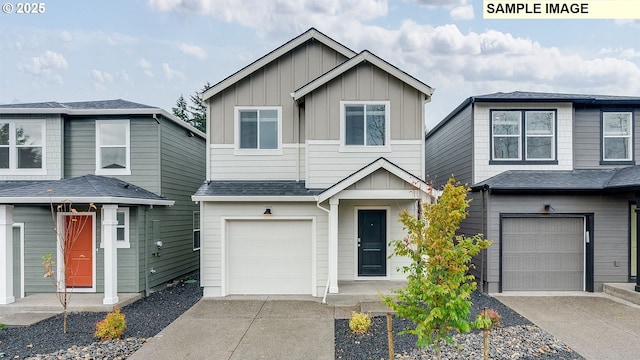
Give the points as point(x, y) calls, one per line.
point(196, 230)
point(258, 129)
point(364, 124)
point(523, 135)
point(113, 150)
point(122, 229)
point(22, 147)
point(617, 136)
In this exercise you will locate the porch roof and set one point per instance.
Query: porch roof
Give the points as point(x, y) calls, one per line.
point(582, 180)
point(82, 189)
point(258, 190)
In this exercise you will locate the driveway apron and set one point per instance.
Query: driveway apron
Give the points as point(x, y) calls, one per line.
point(246, 329)
point(596, 327)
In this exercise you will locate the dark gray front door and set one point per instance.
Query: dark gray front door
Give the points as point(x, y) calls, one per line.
point(372, 242)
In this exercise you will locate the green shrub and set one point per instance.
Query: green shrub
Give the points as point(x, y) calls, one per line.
point(112, 326)
point(359, 322)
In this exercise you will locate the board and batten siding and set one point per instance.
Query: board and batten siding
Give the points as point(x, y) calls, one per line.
point(326, 165)
point(611, 230)
point(211, 250)
point(52, 148)
point(365, 82)
point(272, 85)
point(588, 137)
point(482, 138)
point(449, 150)
point(80, 149)
point(348, 235)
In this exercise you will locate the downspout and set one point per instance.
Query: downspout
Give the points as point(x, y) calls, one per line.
point(146, 261)
point(483, 258)
point(326, 288)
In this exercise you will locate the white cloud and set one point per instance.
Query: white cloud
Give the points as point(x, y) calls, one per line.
point(101, 79)
point(66, 36)
point(193, 51)
point(464, 12)
point(171, 74)
point(146, 66)
point(45, 66)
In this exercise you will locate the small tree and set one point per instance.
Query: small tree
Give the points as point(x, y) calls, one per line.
point(180, 110)
point(438, 290)
point(67, 233)
point(198, 111)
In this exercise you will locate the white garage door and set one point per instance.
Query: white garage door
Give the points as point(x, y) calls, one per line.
point(269, 257)
point(542, 253)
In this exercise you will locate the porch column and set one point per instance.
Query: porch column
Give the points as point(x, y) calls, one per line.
point(6, 255)
point(333, 245)
point(637, 287)
point(109, 239)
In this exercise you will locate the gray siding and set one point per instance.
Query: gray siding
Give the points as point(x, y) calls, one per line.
point(449, 150)
point(588, 138)
point(611, 230)
point(272, 85)
point(365, 82)
point(472, 225)
point(80, 149)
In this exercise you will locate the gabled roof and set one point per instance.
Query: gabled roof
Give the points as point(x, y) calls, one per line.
point(564, 181)
point(380, 163)
point(95, 108)
point(82, 189)
point(254, 188)
point(364, 56)
point(285, 48)
point(537, 97)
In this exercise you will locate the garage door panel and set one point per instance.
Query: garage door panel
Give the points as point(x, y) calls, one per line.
point(542, 253)
point(269, 257)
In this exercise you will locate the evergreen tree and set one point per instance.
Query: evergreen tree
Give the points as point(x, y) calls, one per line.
point(180, 111)
point(198, 111)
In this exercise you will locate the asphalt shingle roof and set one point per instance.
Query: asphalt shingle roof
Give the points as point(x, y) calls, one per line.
point(529, 95)
point(90, 186)
point(80, 105)
point(255, 188)
point(621, 179)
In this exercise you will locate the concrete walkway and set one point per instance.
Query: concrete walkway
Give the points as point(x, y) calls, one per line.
point(596, 326)
point(245, 330)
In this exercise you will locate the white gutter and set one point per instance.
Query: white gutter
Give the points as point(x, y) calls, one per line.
point(326, 288)
point(253, 198)
point(84, 200)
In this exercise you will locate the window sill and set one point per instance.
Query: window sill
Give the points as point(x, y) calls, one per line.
point(257, 152)
point(523, 162)
point(113, 171)
point(364, 149)
point(617, 162)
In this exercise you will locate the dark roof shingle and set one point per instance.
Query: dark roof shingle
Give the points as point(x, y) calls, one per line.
point(255, 188)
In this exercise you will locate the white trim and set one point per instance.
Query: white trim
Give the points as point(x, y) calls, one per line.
point(257, 151)
point(365, 148)
point(199, 229)
point(323, 142)
point(84, 200)
point(224, 273)
point(60, 224)
point(379, 194)
point(253, 198)
point(13, 148)
point(387, 210)
point(120, 244)
point(21, 227)
point(222, 146)
point(99, 146)
point(293, 146)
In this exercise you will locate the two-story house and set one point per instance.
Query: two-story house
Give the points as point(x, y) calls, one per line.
point(312, 152)
point(554, 184)
point(137, 164)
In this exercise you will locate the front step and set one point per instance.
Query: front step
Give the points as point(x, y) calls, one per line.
point(625, 291)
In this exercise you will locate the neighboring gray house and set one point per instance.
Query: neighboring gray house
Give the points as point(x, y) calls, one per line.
point(554, 185)
point(312, 152)
point(138, 164)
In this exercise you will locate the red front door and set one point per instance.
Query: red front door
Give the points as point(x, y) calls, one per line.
point(79, 245)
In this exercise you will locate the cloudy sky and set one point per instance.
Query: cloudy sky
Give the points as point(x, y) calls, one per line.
point(152, 51)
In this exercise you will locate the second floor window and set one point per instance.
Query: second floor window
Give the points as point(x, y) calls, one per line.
point(21, 144)
point(112, 147)
point(365, 124)
point(617, 136)
point(523, 135)
point(258, 129)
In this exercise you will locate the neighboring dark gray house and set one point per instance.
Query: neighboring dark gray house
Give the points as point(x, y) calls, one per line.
point(554, 186)
point(138, 164)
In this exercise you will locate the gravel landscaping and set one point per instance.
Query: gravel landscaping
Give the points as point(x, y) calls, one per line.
point(516, 338)
point(145, 318)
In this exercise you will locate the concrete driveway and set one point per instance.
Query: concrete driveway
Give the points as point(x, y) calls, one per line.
point(246, 329)
point(595, 326)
